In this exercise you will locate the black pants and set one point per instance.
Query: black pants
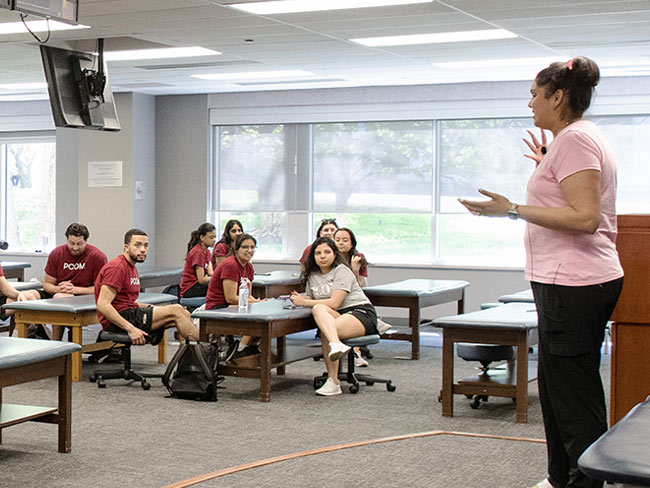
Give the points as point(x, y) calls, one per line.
point(571, 322)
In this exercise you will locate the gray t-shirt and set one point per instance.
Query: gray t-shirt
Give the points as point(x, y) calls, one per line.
point(320, 286)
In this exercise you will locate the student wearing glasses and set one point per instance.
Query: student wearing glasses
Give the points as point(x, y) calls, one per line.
point(224, 246)
point(327, 228)
point(223, 289)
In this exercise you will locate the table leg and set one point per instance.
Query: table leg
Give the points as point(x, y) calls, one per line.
point(65, 403)
point(460, 306)
point(281, 343)
point(76, 356)
point(162, 349)
point(447, 375)
point(203, 335)
point(522, 383)
point(414, 324)
point(265, 366)
point(22, 329)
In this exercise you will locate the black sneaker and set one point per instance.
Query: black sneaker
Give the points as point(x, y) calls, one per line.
point(231, 351)
point(247, 351)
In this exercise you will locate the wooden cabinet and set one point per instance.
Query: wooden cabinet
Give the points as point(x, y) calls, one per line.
point(630, 381)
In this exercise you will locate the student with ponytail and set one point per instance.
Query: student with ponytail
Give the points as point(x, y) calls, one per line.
point(198, 264)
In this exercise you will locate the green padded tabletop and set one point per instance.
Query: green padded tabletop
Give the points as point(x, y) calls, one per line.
point(81, 303)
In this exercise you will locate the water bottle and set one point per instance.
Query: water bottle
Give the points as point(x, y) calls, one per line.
point(243, 295)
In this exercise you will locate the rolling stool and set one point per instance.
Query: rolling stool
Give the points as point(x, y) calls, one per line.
point(126, 373)
point(350, 376)
point(484, 354)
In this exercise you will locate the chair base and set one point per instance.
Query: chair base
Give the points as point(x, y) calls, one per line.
point(350, 376)
point(128, 374)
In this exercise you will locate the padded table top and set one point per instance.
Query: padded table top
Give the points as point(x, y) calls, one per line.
point(415, 287)
point(622, 454)
point(257, 312)
point(26, 285)
point(511, 316)
point(525, 296)
point(276, 278)
point(153, 272)
point(15, 351)
point(81, 303)
point(14, 265)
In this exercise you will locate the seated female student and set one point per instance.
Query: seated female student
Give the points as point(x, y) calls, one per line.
point(224, 246)
point(346, 243)
point(223, 289)
point(340, 308)
point(327, 228)
point(198, 262)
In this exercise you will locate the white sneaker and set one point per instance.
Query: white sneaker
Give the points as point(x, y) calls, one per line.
point(545, 483)
point(359, 361)
point(382, 326)
point(329, 388)
point(337, 349)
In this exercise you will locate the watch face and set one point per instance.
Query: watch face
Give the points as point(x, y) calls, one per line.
point(513, 215)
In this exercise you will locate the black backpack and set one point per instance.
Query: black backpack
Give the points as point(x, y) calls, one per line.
point(191, 373)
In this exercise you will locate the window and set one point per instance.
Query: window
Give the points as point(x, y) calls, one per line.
point(28, 169)
point(396, 184)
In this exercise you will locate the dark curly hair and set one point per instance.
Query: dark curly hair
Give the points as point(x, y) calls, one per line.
point(310, 264)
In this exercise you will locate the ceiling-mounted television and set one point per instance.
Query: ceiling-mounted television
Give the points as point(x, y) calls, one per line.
point(80, 94)
point(61, 10)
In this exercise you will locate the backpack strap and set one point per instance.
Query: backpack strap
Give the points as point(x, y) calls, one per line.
point(209, 372)
point(173, 363)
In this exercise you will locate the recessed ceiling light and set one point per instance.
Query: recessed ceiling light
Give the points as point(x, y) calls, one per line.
point(249, 75)
point(459, 36)
point(23, 86)
point(37, 26)
point(159, 53)
point(294, 6)
point(501, 63)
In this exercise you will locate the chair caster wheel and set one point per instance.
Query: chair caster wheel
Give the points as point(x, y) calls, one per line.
point(145, 386)
point(92, 378)
point(392, 387)
point(354, 388)
point(100, 382)
point(370, 383)
point(318, 382)
point(475, 403)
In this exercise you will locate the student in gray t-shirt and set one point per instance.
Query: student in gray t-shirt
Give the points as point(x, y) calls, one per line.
point(340, 308)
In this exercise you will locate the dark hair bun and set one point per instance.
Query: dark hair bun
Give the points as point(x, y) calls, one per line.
point(586, 70)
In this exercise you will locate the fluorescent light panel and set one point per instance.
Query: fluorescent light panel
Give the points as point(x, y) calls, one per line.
point(254, 75)
point(23, 86)
point(501, 63)
point(37, 26)
point(295, 6)
point(441, 37)
point(159, 53)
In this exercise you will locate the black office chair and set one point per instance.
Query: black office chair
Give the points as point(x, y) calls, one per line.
point(350, 376)
point(126, 372)
point(484, 354)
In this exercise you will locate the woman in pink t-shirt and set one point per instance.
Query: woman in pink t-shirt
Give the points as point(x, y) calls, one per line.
point(571, 261)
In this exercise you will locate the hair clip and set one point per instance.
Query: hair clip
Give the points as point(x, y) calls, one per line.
point(569, 64)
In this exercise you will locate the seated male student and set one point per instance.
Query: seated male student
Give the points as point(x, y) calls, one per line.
point(116, 292)
point(71, 268)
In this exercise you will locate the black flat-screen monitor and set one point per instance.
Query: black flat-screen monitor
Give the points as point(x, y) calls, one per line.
point(80, 94)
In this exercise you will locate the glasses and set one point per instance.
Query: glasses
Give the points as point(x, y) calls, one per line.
point(328, 221)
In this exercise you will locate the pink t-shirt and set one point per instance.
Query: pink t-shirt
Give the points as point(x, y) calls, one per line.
point(229, 269)
point(573, 258)
point(80, 270)
point(2, 273)
point(120, 274)
point(196, 257)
